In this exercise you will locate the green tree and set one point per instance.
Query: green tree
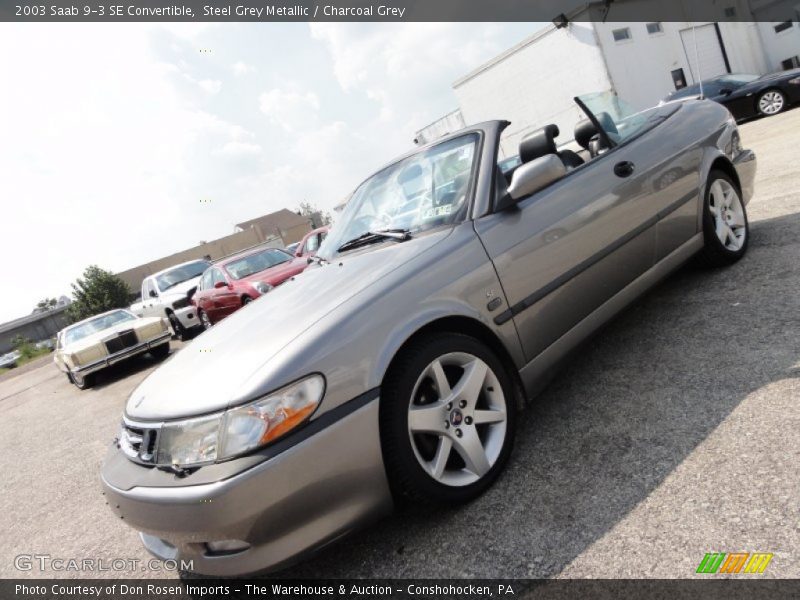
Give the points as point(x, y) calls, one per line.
point(306, 209)
point(46, 304)
point(23, 345)
point(96, 292)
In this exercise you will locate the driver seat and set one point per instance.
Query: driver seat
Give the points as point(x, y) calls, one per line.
point(542, 143)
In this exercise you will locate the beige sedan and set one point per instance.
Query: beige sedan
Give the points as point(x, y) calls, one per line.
point(93, 344)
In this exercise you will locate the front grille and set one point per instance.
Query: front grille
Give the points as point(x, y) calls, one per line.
point(138, 443)
point(124, 339)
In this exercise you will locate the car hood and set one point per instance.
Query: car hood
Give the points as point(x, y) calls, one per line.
point(99, 336)
point(214, 371)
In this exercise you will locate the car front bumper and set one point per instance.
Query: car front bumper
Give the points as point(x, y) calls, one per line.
point(188, 317)
point(107, 361)
point(286, 506)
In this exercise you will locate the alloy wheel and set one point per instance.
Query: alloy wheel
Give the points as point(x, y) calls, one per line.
point(771, 103)
point(457, 419)
point(726, 209)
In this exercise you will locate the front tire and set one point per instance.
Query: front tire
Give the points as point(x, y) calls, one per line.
point(726, 230)
point(204, 320)
point(82, 382)
point(178, 329)
point(160, 352)
point(771, 102)
point(446, 420)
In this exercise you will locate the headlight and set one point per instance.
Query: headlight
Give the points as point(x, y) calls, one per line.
point(191, 442)
point(242, 429)
point(795, 81)
point(261, 287)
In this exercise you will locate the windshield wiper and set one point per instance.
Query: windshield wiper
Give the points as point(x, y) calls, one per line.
point(370, 237)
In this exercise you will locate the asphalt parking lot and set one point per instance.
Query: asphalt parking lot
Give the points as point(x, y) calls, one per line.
point(676, 432)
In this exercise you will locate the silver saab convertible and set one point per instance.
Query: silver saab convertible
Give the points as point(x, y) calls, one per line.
point(440, 302)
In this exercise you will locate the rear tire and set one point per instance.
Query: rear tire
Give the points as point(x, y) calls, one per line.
point(726, 230)
point(160, 352)
point(446, 420)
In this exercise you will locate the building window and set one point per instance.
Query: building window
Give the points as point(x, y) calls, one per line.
point(783, 26)
point(791, 63)
point(730, 12)
point(620, 35)
point(653, 28)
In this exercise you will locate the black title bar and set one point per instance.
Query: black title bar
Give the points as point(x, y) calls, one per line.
point(557, 11)
point(707, 588)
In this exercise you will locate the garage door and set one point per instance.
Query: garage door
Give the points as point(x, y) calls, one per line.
point(706, 60)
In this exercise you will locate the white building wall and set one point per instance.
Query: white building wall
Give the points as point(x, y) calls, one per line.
point(745, 51)
point(641, 67)
point(447, 124)
point(779, 46)
point(533, 84)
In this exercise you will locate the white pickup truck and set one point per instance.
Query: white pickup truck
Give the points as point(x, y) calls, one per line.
point(164, 294)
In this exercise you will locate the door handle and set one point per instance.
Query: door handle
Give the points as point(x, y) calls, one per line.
point(624, 168)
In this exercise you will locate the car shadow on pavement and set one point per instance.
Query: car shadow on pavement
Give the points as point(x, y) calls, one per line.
point(629, 408)
point(128, 367)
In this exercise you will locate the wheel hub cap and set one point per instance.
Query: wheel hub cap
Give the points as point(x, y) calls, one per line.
point(457, 419)
point(728, 213)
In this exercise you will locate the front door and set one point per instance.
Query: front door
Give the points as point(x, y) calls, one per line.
point(566, 249)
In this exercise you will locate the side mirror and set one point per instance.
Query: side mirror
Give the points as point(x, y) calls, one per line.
point(221, 284)
point(725, 92)
point(531, 177)
point(153, 294)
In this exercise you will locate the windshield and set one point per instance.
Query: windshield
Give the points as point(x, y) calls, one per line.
point(82, 330)
point(617, 118)
point(422, 191)
point(180, 274)
point(254, 263)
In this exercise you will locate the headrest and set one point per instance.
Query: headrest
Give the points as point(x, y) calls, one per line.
point(584, 132)
point(539, 144)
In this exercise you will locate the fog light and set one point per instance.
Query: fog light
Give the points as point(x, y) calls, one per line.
point(227, 546)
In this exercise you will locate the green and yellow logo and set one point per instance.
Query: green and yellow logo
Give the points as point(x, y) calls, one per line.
point(734, 562)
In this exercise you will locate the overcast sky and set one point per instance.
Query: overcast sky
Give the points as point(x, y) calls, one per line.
point(123, 143)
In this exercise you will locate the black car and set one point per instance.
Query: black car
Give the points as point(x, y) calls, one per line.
point(747, 95)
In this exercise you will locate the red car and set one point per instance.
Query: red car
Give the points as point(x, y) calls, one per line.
point(235, 281)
